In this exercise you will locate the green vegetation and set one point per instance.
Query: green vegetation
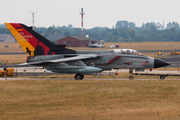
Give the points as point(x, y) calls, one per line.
point(124, 31)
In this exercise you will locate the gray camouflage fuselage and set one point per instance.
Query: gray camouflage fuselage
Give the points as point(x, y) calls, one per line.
point(106, 60)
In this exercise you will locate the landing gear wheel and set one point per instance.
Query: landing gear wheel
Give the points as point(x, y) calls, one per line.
point(162, 77)
point(131, 72)
point(82, 77)
point(131, 78)
point(78, 77)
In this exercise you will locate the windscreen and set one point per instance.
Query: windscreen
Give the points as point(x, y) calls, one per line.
point(126, 51)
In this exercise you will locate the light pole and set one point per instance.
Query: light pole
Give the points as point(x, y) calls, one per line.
point(129, 41)
point(55, 37)
point(33, 12)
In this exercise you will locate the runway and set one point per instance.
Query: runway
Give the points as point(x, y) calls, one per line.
point(173, 60)
point(39, 73)
point(30, 71)
point(8, 78)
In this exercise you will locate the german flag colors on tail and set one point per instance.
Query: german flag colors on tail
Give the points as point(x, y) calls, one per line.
point(33, 43)
point(22, 37)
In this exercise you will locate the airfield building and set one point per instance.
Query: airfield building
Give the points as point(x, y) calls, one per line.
point(75, 41)
point(6, 38)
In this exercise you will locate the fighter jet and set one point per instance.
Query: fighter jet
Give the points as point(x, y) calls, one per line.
point(57, 58)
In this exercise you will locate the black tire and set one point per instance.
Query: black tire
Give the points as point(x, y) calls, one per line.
point(78, 77)
point(82, 77)
point(131, 78)
point(162, 77)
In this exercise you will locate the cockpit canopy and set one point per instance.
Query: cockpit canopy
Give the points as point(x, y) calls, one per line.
point(126, 51)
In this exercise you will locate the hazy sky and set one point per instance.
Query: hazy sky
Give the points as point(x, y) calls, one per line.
point(98, 13)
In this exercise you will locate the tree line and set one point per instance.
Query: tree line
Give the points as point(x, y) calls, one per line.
point(123, 31)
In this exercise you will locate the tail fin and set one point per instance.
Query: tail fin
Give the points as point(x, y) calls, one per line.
point(33, 43)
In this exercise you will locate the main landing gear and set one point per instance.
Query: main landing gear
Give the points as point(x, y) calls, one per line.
point(131, 78)
point(162, 77)
point(131, 72)
point(78, 77)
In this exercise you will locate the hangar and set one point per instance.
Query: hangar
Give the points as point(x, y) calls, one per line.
point(6, 38)
point(75, 41)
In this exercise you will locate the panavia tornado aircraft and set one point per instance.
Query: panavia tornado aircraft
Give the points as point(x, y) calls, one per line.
point(57, 58)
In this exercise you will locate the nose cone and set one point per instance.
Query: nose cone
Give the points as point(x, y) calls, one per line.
point(159, 63)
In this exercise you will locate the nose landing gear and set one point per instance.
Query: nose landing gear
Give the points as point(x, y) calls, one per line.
point(131, 72)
